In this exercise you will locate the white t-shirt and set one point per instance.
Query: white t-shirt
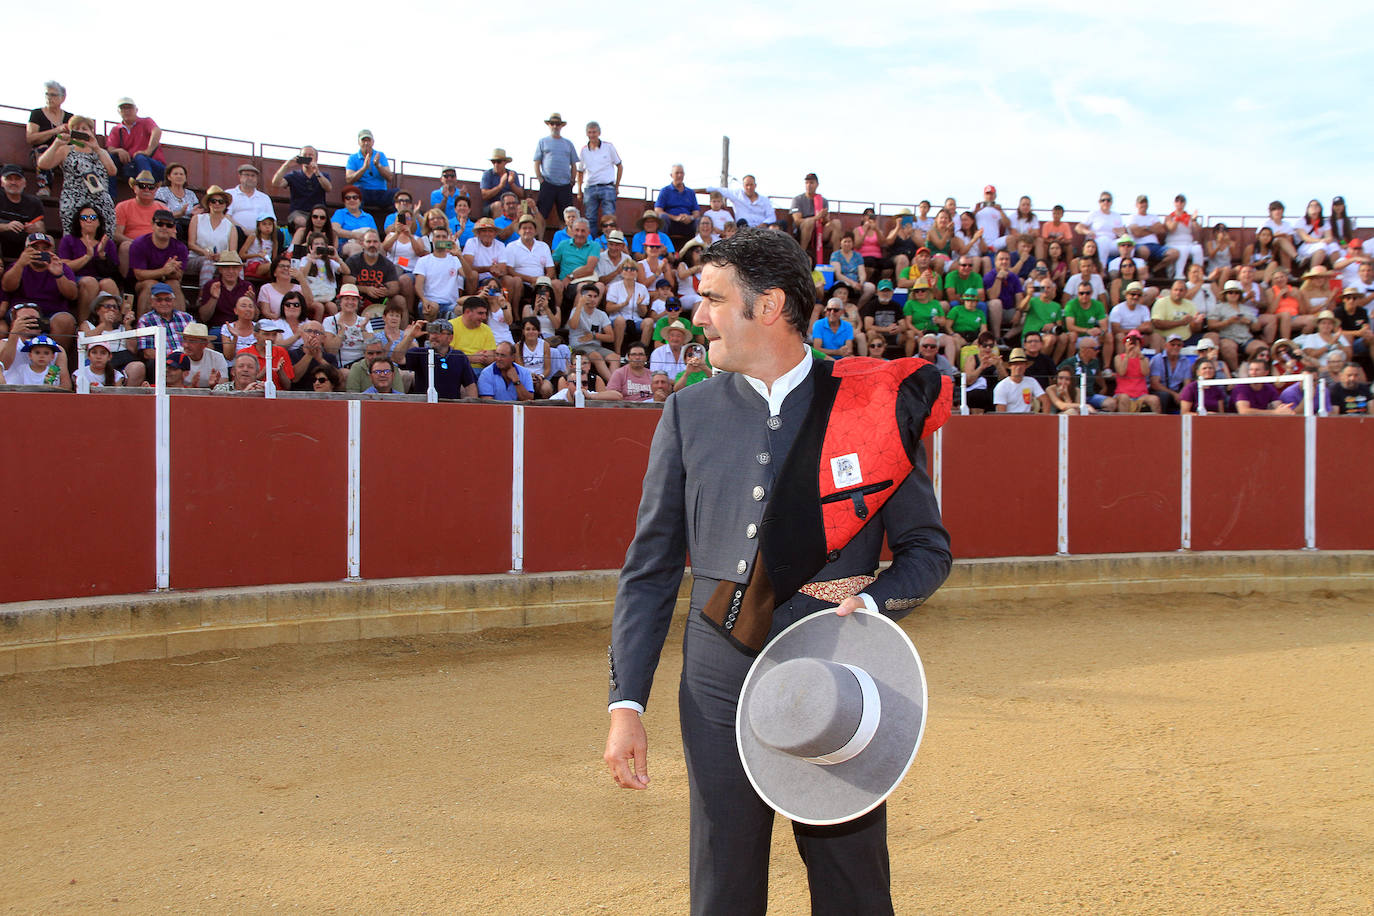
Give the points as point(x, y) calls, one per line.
point(443, 277)
point(584, 335)
point(607, 270)
point(119, 346)
point(484, 255)
point(1071, 286)
point(718, 218)
point(25, 374)
point(1129, 318)
point(1017, 397)
point(1025, 226)
point(1280, 227)
point(627, 303)
point(1141, 220)
point(97, 379)
point(1106, 227)
point(532, 261)
point(245, 210)
point(1314, 341)
point(210, 361)
point(989, 219)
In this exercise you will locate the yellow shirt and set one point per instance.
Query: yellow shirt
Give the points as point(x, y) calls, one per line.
point(1166, 309)
point(478, 339)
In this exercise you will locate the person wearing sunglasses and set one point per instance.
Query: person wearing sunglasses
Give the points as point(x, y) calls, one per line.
point(159, 257)
point(324, 380)
point(1102, 224)
point(351, 221)
point(134, 217)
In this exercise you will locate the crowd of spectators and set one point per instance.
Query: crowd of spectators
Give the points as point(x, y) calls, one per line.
point(512, 289)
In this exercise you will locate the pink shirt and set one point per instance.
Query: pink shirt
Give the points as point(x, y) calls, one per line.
point(135, 139)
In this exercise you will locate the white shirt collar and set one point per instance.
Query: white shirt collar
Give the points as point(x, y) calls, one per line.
point(784, 384)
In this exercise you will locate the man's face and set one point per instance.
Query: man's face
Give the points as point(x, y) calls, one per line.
point(1003, 261)
point(923, 261)
point(733, 339)
point(265, 337)
point(311, 153)
point(661, 387)
point(749, 184)
point(1018, 371)
point(144, 191)
point(441, 340)
point(163, 303)
point(472, 317)
point(40, 357)
point(245, 371)
point(638, 358)
point(486, 236)
point(373, 352)
point(14, 185)
point(833, 313)
point(1276, 213)
point(402, 202)
point(1350, 376)
point(930, 348)
point(365, 144)
point(676, 338)
point(677, 174)
point(964, 267)
point(163, 230)
point(450, 179)
point(1174, 347)
point(1367, 272)
point(1032, 343)
point(526, 231)
point(587, 297)
point(128, 113)
point(1142, 205)
point(381, 374)
point(438, 236)
point(40, 248)
point(372, 244)
point(1085, 295)
point(579, 233)
point(811, 185)
point(504, 356)
point(248, 179)
point(510, 206)
point(1104, 203)
point(1176, 291)
point(194, 347)
point(593, 133)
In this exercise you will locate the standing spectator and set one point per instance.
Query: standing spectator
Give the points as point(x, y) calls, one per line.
point(1102, 224)
point(1215, 397)
point(163, 314)
point(87, 170)
point(832, 335)
point(374, 275)
point(993, 220)
point(751, 208)
point(158, 257)
point(599, 171)
point(499, 180)
point(248, 205)
point(39, 277)
point(1181, 239)
point(528, 259)
point(438, 279)
point(135, 143)
point(1003, 289)
point(811, 218)
point(633, 381)
point(307, 184)
point(219, 297)
point(369, 170)
point(1169, 372)
point(555, 164)
point(212, 232)
point(1132, 378)
point(1019, 393)
point(208, 366)
point(505, 379)
point(677, 206)
point(453, 375)
point(43, 127)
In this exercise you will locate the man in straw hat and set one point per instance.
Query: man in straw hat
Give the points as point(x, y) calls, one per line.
point(733, 479)
point(498, 179)
point(555, 165)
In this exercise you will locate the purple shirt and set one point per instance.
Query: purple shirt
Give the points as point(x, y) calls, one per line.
point(1257, 396)
point(69, 248)
point(1214, 397)
point(40, 288)
point(1292, 395)
point(144, 255)
point(1011, 287)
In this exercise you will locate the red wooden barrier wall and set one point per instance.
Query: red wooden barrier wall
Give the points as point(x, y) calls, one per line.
point(1124, 484)
point(1000, 490)
point(1247, 483)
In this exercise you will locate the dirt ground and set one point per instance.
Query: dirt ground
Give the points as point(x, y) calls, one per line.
point(1179, 754)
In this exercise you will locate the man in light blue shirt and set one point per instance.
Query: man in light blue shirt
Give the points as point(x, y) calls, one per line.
point(555, 164)
point(832, 335)
point(751, 208)
point(369, 170)
point(505, 379)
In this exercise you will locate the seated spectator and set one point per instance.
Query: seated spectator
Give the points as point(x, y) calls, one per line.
point(627, 302)
point(307, 354)
point(1289, 305)
point(925, 315)
point(319, 270)
point(672, 356)
point(178, 364)
point(87, 173)
point(662, 385)
point(241, 333)
point(1232, 324)
point(715, 211)
point(1042, 318)
point(499, 180)
point(1057, 262)
point(536, 354)
point(500, 313)
point(208, 366)
point(39, 277)
point(528, 259)
point(286, 281)
point(1102, 225)
point(868, 242)
point(352, 223)
point(593, 386)
point(359, 376)
point(1085, 366)
point(99, 371)
point(1025, 227)
point(706, 235)
point(1318, 346)
point(508, 222)
point(543, 310)
point(472, 335)
point(248, 205)
point(24, 325)
point(1351, 395)
point(1132, 378)
point(375, 276)
point(453, 375)
point(505, 379)
point(1042, 364)
point(1090, 253)
point(178, 197)
point(1282, 234)
point(212, 233)
point(1086, 316)
point(633, 381)
point(461, 226)
point(751, 207)
point(850, 271)
point(833, 335)
point(163, 314)
point(219, 298)
point(565, 233)
point(307, 184)
point(1319, 285)
point(1181, 239)
point(922, 267)
point(382, 375)
point(1145, 232)
point(1350, 262)
point(1125, 246)
point(21, 213)
point(1258, 398)
point(369, 170)
point(967, 324)
point(989, 216)
point(1129, 272)
point(1132, 314)
point(672, 311)
point(291, 318)
point(811, 220)
point(445, 197)
point(650, 224)
point(1355, 327)
point(324, 379)
point(46, 365)
point(1173, 314)
point(134, 217)
point(439, 278)
point(1057, 230)
point(590, 331)
point(1063, 394)
point(483, 254)
point(135, 143)
point(576, 257)
point(1002, 289)
point(983, 368)
point(677, 205)
point(244, 377)
point(92, 256)
point(158, 257)
point(694, 367)
point(969, 238)
point(1215, 398)
point(902, 241)
point(261, 249)
point(1018, 392)
point(884, 325)
point(1169, 372)
point(929, 350)
point(657, 266)
point(963, 279)
point(109, 313)
point(1316, 241)
point(1023, 258)
point(388, 327)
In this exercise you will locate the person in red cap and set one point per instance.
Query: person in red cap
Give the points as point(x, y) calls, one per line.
point(993, 220)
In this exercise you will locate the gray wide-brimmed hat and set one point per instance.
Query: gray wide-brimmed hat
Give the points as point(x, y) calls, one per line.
point(830, 716)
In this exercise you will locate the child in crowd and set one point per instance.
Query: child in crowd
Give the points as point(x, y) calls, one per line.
point(47, 365)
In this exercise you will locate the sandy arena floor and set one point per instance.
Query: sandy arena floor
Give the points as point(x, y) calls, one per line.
point(1190, 754)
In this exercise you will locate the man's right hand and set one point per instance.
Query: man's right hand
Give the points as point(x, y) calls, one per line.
point(627, 750)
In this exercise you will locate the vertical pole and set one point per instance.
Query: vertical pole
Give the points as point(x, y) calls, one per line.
point(1082, 394)
point(1063, 485)
point(724, 162)
point(937, 466)
point(432, 394)
point(1321, 397)
point(579, 397)
point(269, 388)
point(162, 456)
point(517, 490)
point(83, 382)
point(1186, 477)
point(1309, 481)
point(355, 429)
point(963, 394)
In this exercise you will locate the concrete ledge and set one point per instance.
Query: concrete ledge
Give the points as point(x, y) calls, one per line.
point(36, 636)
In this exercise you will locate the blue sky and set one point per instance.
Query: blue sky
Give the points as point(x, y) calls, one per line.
point(1231, 103)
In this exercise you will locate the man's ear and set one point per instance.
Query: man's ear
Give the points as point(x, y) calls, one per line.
point(769, 306)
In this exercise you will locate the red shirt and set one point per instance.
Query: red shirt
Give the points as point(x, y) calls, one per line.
point(135, 139)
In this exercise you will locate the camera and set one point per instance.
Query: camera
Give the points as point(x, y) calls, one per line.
point(321, 251)
point(303, 160)
point(443, 244)
point(43, 257)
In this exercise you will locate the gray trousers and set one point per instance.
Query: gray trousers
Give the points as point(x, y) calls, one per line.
point(731, 827)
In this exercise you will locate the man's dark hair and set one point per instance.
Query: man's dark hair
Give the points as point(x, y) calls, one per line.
point(764, 259)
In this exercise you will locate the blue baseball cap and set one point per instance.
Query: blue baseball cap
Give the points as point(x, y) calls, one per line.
point(160, 288)
point(41, 340)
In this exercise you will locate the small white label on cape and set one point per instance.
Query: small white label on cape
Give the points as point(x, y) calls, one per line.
point(845, 470)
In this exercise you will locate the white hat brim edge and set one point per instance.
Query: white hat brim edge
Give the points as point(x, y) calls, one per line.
point(925, 717)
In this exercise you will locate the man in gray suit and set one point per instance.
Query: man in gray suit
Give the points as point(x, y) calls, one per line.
point(732, 478)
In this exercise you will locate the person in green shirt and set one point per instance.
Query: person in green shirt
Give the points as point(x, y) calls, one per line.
point(963, 279)
point(1041, 317)
point(1086, 316)
point(966, 323)
point(672, 311)
point(925, 313)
